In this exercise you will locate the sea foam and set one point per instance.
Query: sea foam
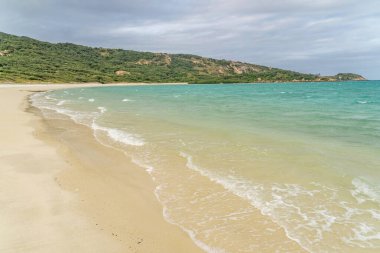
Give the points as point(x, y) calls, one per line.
point(88, 119)
point(119, 135)
point(102, 109)
point(62, 102)
point(308, 225)
point(364, 192)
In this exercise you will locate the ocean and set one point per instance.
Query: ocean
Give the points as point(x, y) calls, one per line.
point(290, 167)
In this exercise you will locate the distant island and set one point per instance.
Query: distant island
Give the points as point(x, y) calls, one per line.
point(26, 60)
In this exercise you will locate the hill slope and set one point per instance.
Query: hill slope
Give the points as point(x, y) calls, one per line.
point(28, 60)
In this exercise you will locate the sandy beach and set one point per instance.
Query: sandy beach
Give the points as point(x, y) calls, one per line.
point(62, 191)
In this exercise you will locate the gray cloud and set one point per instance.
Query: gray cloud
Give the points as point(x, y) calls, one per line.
point(324, 36)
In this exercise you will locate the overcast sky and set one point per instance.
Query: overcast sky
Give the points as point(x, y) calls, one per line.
point(313, 36)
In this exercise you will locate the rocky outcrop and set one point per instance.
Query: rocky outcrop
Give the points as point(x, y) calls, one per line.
point(4, 53)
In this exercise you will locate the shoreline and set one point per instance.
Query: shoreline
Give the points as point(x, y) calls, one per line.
point(52, 86)
point(89, 197)
point(90, 84)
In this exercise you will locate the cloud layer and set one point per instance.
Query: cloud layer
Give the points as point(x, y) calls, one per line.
point(324, 36)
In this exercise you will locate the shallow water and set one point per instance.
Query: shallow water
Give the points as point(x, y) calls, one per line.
point(249, 167)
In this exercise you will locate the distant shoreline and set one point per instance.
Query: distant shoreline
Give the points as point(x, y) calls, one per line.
point(91, 84)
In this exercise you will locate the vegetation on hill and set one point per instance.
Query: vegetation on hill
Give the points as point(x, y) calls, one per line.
point(25, 60)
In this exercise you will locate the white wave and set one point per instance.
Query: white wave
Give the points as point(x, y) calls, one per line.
point(83, 118)
point(362, 101)
point(278, 208)
point(34, 98)
point(119, 135)
point(231, 183)
point(375, 214)
point(48, 97)
point(362, 236)
point(147, 168)
point(190, 233)
point(237, 186)
point(102, 109)
point(61, 102)
point(91, 100)
point(88, 119)
point(364, 192)
point(308, 225)
point(127, 100)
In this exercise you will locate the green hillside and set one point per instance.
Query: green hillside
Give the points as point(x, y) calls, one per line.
point(26, 60)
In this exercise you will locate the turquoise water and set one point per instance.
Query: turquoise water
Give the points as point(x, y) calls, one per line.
point(272, 167)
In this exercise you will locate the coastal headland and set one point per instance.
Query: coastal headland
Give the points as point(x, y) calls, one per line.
point(26, 60)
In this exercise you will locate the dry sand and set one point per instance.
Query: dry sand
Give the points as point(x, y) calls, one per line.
point(61, 191)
